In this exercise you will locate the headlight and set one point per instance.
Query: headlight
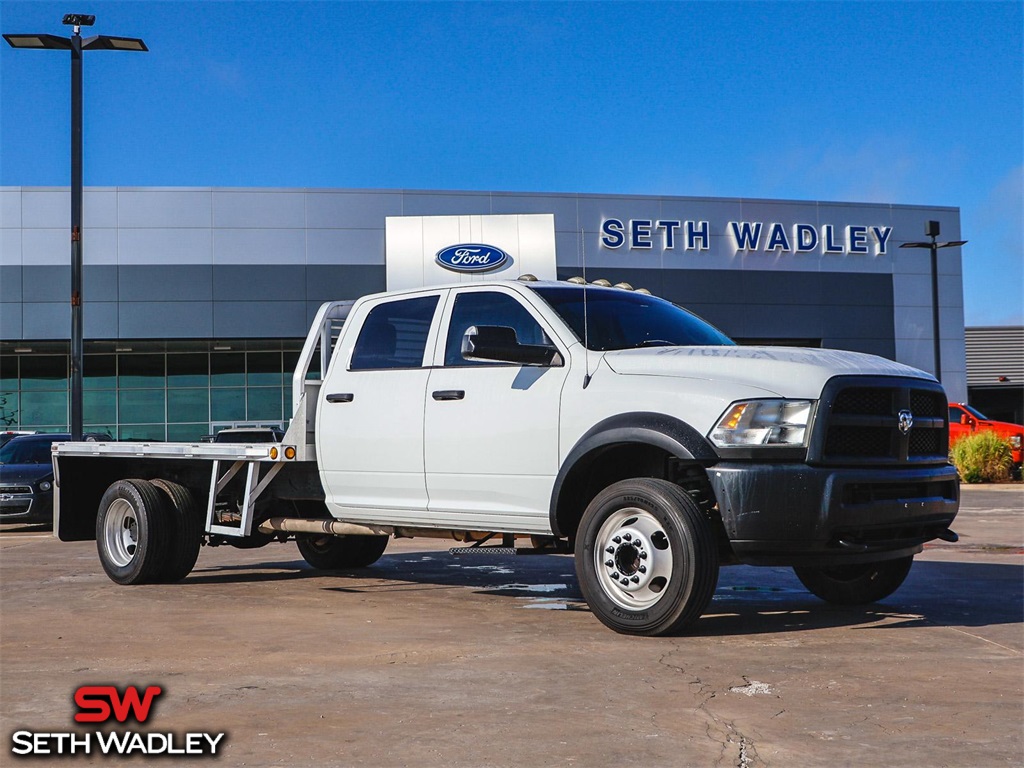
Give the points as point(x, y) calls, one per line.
point(764, 422)
point(45, 485)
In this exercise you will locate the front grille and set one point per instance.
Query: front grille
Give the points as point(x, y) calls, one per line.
point(15, 489)
point(868, 401)
point(859, 422)
point(858, 441)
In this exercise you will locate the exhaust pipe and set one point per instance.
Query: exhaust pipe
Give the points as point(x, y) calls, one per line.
point(313, 525)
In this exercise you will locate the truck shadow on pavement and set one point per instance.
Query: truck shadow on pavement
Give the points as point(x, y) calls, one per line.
point(748, 600)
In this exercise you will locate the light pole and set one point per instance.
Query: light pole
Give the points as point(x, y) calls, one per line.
point(76, 45)
point(931, 229)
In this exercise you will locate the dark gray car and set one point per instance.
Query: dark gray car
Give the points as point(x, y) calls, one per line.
point(26, 477)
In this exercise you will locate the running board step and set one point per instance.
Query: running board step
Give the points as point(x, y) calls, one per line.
point(485, 551)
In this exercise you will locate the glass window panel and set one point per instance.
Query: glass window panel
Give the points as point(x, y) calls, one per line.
point(9, 412)
point(107, 431)
point(8, 372)
point(486, 308)
point(264, 403)
point(314, 366)
point(227, 369)
point(288, 407)
point(141, 406)
point(188, 405)
point(140, 371)
point(227, 404)
point(187, 433)
point(99, 372)
point(100, 406)
point(41, 372)
point(264, 369)
point(289, 359)
point(138, 432)
point(394, 335)
point(44, 408)
point(188, 370)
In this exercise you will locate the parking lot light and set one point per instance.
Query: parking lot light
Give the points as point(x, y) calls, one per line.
point(76, 45)
point(931, 229)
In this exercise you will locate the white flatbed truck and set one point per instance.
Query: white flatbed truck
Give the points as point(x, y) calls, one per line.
point(530, 416)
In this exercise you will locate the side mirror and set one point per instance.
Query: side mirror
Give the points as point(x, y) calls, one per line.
point(965, 419)
point(497, 343)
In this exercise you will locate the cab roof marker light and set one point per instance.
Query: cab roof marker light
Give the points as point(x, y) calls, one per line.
point(576, 280)
point(624, 286)
point(602, 282)
point(527, 278)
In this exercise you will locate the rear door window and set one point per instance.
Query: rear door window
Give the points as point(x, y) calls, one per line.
point(394, 335)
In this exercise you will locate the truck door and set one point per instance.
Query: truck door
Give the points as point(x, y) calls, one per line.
point(370, 416)
point(491, 429)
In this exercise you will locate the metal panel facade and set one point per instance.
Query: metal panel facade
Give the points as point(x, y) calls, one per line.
point(253, 262)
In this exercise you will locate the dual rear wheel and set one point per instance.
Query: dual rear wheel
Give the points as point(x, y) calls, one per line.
point(147, 531)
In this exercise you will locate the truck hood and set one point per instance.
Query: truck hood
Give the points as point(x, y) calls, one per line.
point(783, 371)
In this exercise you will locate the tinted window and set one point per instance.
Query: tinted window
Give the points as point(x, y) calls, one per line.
point(394, 335)
point(489, 308)
point(619, 319)
point(26, 452)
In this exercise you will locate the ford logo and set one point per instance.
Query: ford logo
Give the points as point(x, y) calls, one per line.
point(471, 257)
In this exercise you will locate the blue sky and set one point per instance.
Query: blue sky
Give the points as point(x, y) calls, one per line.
point(915, 103)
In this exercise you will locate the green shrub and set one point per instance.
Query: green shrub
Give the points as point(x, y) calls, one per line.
point(982, 458)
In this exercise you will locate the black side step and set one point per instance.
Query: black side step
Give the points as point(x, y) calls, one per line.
point(552, 546)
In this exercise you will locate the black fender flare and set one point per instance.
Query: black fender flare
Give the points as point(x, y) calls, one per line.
point(641, 427)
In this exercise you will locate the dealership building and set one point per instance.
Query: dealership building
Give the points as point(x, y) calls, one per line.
point(197, 300)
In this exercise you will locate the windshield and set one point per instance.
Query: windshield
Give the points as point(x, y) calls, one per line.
point(25, 452)
point(975, 412)
point(620, 319)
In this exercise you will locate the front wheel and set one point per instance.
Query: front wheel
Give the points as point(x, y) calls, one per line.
point(857, 584)
point(332, 553)
point(646, 558)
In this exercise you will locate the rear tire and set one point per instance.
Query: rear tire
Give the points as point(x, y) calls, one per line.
point(133, 530)
point(646, 558)
point(334, 553)
point(857, 584)
point(186, 531)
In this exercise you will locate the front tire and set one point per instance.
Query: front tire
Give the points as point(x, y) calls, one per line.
point(334, 553)
point(133, 529)
point(646, 558)
point(857, 584)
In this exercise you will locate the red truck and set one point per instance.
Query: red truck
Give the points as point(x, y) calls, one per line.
point(965, 420)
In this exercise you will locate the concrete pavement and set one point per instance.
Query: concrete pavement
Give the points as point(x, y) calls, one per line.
point(430, 660)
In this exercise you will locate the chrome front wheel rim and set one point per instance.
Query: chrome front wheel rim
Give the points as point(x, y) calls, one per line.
point(633, 559)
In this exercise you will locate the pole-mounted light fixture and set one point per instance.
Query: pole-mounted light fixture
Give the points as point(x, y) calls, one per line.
point(76, 45)
point(932, 229)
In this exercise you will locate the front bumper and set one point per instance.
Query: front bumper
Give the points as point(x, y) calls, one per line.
point(796, 514)
point(23, 504)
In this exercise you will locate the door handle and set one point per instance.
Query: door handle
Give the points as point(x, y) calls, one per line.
point(449, 394)
point(340, 397)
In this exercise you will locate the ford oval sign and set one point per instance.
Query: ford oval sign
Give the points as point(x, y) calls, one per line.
point(471, 257)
